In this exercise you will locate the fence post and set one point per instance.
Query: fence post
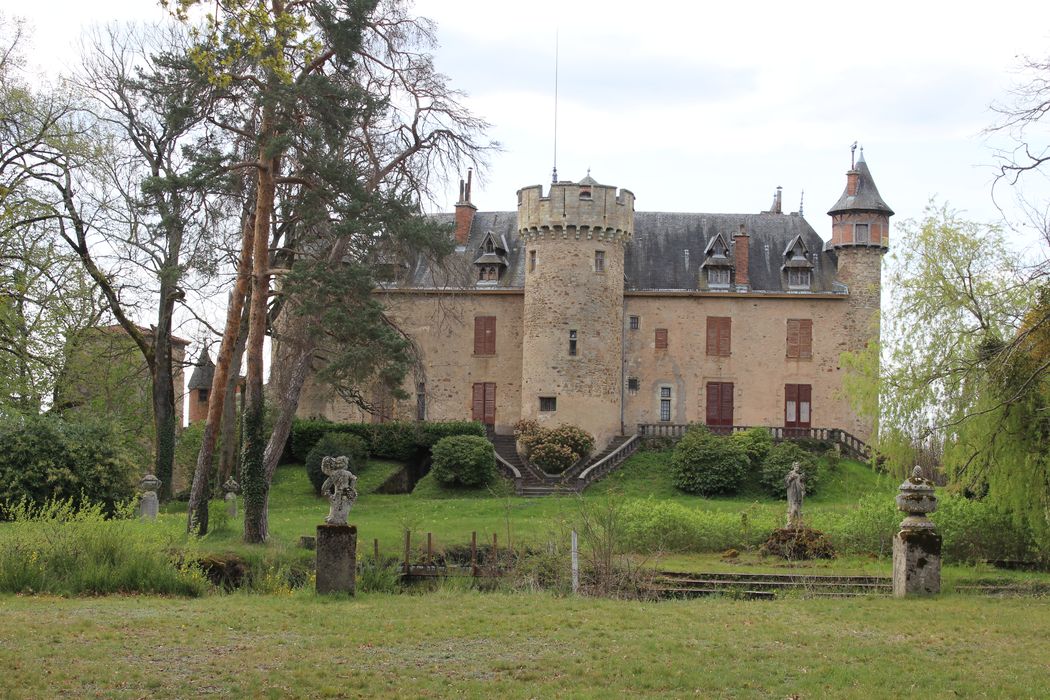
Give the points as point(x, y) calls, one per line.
point(430, 549)
point(408, 552)
point(474, 554)
point(575, 563)
point(495, 555)
point(375, 549)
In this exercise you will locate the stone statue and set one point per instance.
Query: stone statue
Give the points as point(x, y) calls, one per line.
point(149, 505)
point(339, 487)
point(796, 489)
point(232, 488)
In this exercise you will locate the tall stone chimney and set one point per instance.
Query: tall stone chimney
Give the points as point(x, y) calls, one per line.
point(464, 210)
point(741, 249)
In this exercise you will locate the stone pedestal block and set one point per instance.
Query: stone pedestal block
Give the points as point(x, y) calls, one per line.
point(336, 559)
point(916, 563)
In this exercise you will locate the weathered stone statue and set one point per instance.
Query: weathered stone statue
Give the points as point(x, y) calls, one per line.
point(796, 490)
point(149, 505)
point(340, 489)
point(232, 488)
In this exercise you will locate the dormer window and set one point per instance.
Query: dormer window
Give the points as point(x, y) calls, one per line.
point(491, 260)
point(799, 278)
point(718, 277)
point(717, 263)
point(489, 246)
point(797, 268)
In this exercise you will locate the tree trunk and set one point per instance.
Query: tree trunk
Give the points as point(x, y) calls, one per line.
point(163, 390)
point(197, 519)
point(230, 434)
point(287, 377)
point(254, 483)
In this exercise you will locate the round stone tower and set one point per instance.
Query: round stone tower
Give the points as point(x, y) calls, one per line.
point(860, 235)
point(573, 329)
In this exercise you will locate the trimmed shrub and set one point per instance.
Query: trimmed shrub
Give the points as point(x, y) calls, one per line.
point(778, 463)
point(706, 464)
point(47, 458)
point(396, 440)
point(432, 432)
point(305, 434)
point(552, 457)
point(468, 460)
point(336, 444)
point(399, 441)
point(757, 442)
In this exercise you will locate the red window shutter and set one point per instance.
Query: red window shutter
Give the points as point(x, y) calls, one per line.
point(793, 329)
point(479, 336)
point(661, 338)
point(790, 405)
point(724, 336)
point(484, 335)
point(713, 402)
point(478, 403)
point(712, 335)
point(726, 407)
point(490, 403)
point(805, 338)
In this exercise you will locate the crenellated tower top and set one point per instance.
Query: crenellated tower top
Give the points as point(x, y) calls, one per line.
point(580, 210)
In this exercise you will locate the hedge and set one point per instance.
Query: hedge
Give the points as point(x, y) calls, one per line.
point(400, 441)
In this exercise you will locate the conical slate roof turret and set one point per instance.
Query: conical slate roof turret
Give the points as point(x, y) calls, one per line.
point(202, 372)
point(860, 193)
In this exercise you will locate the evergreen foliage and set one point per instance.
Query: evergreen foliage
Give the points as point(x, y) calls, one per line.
point(777, 464)
point(706, 465)
point(467, 460)
point(757, 442)
point(335, 444)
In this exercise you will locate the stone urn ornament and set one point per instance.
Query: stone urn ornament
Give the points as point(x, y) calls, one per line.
point(340, 489)
point(232, 488)
point(917, 547)
point(149, 504)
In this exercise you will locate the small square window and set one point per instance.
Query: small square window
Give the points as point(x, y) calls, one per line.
point(798, 279)
point(202, 395)
point(718, 276)
point(632, 384)
point(572, 343)
point(599, 261)
point(861, 233)
point(665, 392)
point(548, 403)
point(635, 323)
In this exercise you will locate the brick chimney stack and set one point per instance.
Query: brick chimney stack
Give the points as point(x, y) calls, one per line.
point(464, 210)
point(741, 248)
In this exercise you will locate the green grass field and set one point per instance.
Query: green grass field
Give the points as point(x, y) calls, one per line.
point(483, 645)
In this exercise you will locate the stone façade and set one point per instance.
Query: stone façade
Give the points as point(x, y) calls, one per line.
point(578, 259)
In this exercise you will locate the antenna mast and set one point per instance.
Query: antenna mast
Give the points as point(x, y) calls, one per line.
point(554, 171)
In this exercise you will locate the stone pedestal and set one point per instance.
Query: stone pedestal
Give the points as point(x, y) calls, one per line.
point(917, 547)
point(232, 488)
point(336, 559)
point(149, 504)
point(916, 563)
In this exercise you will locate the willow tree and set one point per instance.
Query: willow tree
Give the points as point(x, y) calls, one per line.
point(350, 122)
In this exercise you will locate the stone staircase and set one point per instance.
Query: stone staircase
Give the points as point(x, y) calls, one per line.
point(532, 482)
point(670, 584)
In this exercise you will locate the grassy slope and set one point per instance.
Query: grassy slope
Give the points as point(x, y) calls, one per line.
point(522, 646)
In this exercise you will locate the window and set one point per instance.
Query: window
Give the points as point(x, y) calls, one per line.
point(632, 384)
point(532, 261)
point(719, 332)
point(665, 403)
point(798, 406)
point(718, 277)
point(634, 322)
point(202, 395)
point(798, 279)
point(800, 338)
point(661, 338)
point(548, 403)
point(599, 261)
point(572, 343)
point(585, 193)
point(484, 335)
point(489, 248)
point(719, 403)
point(861, 233)
point(483, 403)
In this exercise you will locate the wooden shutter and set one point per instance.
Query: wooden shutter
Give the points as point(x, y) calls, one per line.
point(712, 335)
point(724, 336)
point(661, 338)
point(805, 338)
point(713, 402)
point(484, 335)
point(490, 404)
point(790, 405)
point(719, 335)
point(478, 403)
point(805, 397)
point(793, 337)
point(725, 409)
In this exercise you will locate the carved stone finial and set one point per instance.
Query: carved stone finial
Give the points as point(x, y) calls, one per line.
point(340, 489)
point(916, 500)
point(917, 547)
point(231, 486)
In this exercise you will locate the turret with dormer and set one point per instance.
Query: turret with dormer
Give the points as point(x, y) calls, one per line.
point(860, 235)
point(574, 236)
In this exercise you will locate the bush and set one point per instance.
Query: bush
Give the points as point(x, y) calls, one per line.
point(47, 458)
point(432, 432)
point(706, 464)
point(975, 530)
point(335, 444)
point(468, 460)
point(653, 525)
point(64, 549)
point(399, 441)
point(757, 442)
point(552, 457)
point(778, 463)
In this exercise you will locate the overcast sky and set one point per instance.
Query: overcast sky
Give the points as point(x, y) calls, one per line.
point(709, 106)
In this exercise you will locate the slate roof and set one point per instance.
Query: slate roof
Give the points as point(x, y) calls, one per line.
point(203, 372)
point(656, 258)
point(867, 197)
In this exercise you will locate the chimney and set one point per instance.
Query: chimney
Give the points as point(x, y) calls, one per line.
point(778, 207)
point(852, 182)
point(464, 210)
point(741, 244)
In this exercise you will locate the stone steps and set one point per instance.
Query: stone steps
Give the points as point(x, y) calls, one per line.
point(535, 483)
point(761, 586)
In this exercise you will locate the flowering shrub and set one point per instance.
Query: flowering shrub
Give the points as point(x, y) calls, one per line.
point(552, 457)
point(553, 449)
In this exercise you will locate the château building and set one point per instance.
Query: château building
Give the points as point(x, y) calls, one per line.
point(575, 308)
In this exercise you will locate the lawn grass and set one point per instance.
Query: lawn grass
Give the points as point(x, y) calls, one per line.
point(482, 645)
